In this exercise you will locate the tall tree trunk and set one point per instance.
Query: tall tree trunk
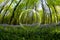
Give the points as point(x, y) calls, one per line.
point(26, 9)
point(4, 5)
point(13, 12)
point(55, 12)
point(43, 18)
point(50, 13)
point(6, 11)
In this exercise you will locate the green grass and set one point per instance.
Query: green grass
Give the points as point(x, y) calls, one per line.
point(29, 33)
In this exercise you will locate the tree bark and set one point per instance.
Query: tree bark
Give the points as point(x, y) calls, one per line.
point(55, 12)
point(50, 13)
point(43, 18)
point(13, 12)
point(4, 5)
point(6, 11)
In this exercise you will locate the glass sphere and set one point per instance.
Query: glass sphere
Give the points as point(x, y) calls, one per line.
point(29, 16)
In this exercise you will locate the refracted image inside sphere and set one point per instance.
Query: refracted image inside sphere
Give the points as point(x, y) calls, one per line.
point(29, 16)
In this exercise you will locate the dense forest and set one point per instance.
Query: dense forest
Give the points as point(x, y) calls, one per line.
point(29, 11)
point(29, 19)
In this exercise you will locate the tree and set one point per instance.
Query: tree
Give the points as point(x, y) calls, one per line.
point(26, 11)
point(3, 5)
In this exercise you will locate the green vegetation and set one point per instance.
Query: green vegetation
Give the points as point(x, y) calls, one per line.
point(29, 33)
point(28, 12)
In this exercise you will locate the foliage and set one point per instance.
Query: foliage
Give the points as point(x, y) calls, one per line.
point(15, 11)
point(29, 33)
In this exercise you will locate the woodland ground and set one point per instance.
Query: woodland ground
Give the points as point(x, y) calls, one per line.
point(29, 33)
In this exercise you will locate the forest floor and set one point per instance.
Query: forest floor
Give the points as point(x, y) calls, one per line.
point(30, 32)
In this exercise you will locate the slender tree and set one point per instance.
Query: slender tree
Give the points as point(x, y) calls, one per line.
point(43, 18)
point(49, 11)
point(14, 11)
point(4, 5)
point(55, 12)
point(6, 11)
